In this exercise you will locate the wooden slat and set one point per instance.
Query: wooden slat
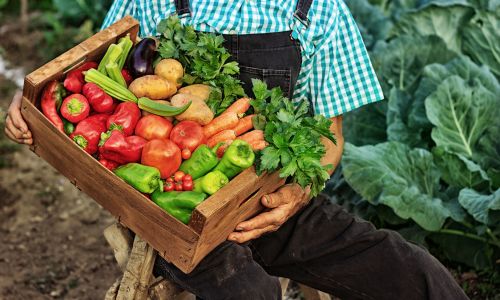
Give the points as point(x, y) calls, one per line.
point(120, 239)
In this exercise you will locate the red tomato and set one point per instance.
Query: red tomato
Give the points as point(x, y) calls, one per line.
point(178, 186)
point(169, 186)
point(178, 176)
point(153, 127)
point(187, 185)
point(163, 155)
point(170, 179)
point(186, 153)
point(187, 177)
point(187, 135)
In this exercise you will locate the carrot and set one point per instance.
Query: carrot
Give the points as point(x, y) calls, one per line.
point(224, 135)
point(239, 107)
point(222, 122)
point(258, 145)
point(244, 125)
point(251, 136)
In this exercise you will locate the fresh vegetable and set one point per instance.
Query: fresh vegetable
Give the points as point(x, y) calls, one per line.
point(171, 70)
point(143, 178)
point(222, 122)
point(98, 99)
point(205, 59)
point(153, 87)
point(112, 54)
point(168, 186)
point(68, 127)
point(198, 111)
point(125, 118)
point(211, 182)
point(111, 87)
point(294, 138)
point(52, 96)
point(88, 132)
point(239, 107)
point(162, 154)
point(186, 153)
point(258, 145)
point(187, 185)
point(153, 127)
point(126, 75)
point(223, 136)
point(222, 149)
point(201, 162)
point(141, 58)
point(201, 91)
point(238, 156)
point(108, 164)
point(75, 108)
point(161, 109)
point(74, 79)
point(178, 186)
point(187, 135)
point(114, 59)
point(178, 204)
point(244, 124)
point(179, 175)
point(126, 44)
point(122, 149)
point(252, 136)
point(115, 73)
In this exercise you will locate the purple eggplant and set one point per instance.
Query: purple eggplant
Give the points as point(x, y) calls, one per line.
point(141, 58)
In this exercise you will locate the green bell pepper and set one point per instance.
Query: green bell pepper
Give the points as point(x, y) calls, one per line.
point(143, 178)
point(201, 161)
point(211, 182)
point(179, 204)
point(238, 156)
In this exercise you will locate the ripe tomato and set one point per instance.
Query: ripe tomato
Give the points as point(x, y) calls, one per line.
point(178, 176)
point(170, 179)
point(187, 135)
point(169, 186)
point(186, 153)
point(163, 155)
point(178, 186)
point(187, 185)
point(153, 127)
point(187, 177)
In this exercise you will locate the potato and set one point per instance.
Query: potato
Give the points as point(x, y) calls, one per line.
point(171, 70)
point(198, 111)
point(145, 113)
point(153, 87)
point(199, 90)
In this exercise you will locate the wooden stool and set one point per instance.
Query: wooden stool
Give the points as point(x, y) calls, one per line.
point(136, 259)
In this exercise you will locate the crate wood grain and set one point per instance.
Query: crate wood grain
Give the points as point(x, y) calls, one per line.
point(183, 245)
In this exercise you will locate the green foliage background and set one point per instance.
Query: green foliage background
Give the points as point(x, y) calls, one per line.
point(426, 161)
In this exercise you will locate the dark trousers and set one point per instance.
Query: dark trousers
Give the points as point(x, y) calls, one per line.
point(326, 248)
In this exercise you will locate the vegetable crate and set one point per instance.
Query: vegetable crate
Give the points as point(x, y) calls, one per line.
point(183, 245)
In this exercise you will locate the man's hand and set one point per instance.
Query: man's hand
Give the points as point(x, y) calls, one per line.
point(15, 127)
point(283, 203)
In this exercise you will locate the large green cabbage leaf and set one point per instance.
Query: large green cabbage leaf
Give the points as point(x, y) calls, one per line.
point(366, 125)
point(404, 179)
point(482, 39)
point(484, 208)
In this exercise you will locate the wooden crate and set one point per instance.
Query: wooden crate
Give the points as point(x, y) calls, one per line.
point(183, 245)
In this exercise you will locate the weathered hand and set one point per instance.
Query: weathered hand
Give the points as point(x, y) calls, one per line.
point(15, 126)
point(283, 203)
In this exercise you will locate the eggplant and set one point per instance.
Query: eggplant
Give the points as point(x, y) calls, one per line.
point(141, 58)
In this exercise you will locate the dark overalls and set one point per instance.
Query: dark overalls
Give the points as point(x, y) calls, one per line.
point(322, 245)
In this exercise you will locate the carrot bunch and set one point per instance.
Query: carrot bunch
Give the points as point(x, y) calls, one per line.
point(233, 124)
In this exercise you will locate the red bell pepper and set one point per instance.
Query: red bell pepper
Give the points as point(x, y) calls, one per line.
point(88, 132)
point(52, 96)
point(125, 118)
point(74, 80)
point(98, 99)
point(126, 75)
point(108, 164)
point(122, 149)
point(75, 108)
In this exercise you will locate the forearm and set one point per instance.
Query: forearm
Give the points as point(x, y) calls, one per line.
point(333, 153)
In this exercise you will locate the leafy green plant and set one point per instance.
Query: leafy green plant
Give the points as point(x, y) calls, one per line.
point(427, 161)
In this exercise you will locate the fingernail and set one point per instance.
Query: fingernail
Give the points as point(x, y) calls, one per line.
point(25, 135)
point(266, 198)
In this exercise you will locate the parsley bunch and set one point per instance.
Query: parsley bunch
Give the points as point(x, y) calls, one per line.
point(205, 61)
point(293, 136)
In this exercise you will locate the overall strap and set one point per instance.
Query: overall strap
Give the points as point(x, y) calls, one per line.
point(182, 7)
point(301, 11)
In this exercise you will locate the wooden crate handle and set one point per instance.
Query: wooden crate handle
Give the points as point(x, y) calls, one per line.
point(88, 49)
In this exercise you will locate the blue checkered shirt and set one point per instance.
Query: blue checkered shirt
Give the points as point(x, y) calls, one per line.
point(336, 73)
